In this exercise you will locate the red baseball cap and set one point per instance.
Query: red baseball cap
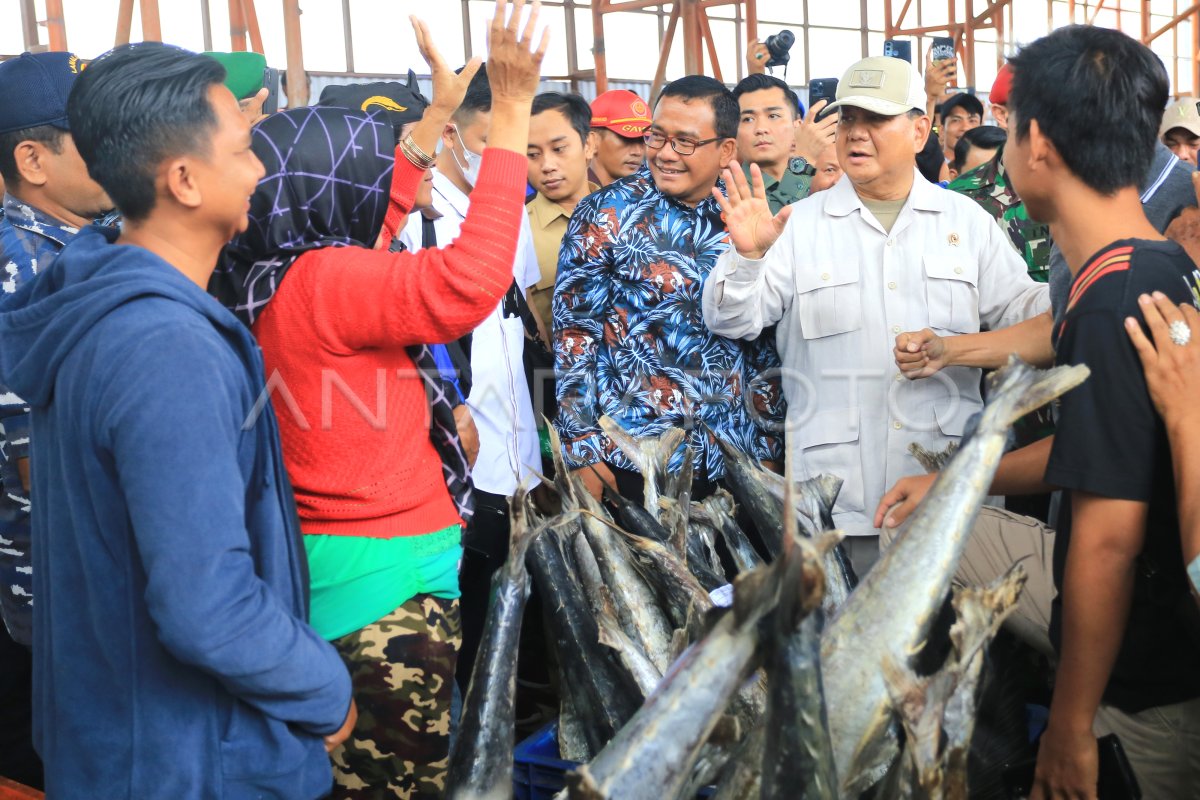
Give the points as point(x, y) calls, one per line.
point(999, 93)
point(622, 112)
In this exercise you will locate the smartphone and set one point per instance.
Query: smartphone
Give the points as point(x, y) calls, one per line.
point(271, 81)
point(943, 48)
point(822, 89)
point(898, 49)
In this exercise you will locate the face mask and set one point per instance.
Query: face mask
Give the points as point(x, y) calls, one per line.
point(470, 169)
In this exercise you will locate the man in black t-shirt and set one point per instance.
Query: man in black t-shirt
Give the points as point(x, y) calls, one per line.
point(1123, 623)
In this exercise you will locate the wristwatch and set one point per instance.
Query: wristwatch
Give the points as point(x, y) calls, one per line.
point(800, 166)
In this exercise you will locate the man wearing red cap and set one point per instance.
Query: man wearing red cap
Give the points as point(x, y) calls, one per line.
point(998, 96)
point(619, 118)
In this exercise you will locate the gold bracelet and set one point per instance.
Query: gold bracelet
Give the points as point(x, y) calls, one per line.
point(407, 150)
point(416, 150)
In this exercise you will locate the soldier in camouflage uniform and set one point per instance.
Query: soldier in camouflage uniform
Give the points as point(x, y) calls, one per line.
point(989, 187)
point(402, 667)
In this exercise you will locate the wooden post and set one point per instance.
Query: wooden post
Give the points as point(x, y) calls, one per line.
point(297, 79)
point(29, 25)
point(251, 17)
point(601, 70)
point(151, 26)
point(56, 26)
point(660, 73)
point(124, 22)
point(693, 56)
point(206, 23)
point(237, 27)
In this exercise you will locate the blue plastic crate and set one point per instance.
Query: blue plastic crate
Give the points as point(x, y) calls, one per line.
point(538, 772)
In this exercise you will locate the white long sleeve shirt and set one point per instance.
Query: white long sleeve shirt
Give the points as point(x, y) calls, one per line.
point(841, 288)
point(509, 452)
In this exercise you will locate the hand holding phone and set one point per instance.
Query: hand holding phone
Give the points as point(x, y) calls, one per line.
point(822, 89)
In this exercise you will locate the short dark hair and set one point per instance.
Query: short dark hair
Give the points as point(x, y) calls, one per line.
point(985, 137)
point(726, 112)
point(48, 135)
point(1098, 95)
point(135, 107)
point(478, 97)
point(969, 102)
point(571, 105)
point(761, 81)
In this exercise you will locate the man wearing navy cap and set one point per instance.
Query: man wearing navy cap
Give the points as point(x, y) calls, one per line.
point(49, 198)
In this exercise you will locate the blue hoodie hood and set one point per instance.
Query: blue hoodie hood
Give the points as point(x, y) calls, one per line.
point(43, 321)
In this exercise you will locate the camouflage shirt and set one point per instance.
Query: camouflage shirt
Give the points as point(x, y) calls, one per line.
point(29, 240)
point(988, 186)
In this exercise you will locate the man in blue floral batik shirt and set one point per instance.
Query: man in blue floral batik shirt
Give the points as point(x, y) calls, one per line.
point(629, 336)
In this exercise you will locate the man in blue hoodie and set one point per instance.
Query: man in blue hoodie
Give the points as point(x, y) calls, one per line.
point(171, 655)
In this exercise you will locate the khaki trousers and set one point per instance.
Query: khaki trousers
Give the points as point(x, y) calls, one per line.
point(1163, 743)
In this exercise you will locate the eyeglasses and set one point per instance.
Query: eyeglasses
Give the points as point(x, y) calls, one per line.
point(685, 147)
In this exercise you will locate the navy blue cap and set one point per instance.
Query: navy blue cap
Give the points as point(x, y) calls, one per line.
point(34, 89)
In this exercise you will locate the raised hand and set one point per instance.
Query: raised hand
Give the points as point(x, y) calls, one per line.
point(449, 88)
point(757, 56)
point(752, 228)
point(514, 70)
point(812, 137)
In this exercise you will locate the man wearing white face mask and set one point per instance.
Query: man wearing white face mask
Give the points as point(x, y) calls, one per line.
point(499, 399)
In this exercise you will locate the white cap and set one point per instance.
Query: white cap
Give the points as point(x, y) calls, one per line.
point(883, 85)
point(1185, 114)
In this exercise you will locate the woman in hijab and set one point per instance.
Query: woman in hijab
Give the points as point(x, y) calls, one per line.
point(381, 483)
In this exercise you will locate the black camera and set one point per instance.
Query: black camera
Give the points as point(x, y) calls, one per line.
point(779, 45)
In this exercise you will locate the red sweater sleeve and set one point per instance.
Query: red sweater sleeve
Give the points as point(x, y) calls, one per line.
point(370, 298)
point(406, 179)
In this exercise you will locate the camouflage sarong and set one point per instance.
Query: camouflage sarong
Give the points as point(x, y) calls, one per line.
point(403, 672)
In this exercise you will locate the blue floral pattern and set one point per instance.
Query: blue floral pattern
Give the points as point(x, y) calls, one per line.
point(630, 339)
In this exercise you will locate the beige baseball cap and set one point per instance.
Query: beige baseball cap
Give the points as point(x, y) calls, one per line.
point(883, 85)
point(1182, 114)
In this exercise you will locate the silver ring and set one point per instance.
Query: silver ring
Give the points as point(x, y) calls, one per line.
point(1181, 334)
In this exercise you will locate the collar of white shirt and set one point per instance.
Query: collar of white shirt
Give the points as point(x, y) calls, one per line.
point(925, 196)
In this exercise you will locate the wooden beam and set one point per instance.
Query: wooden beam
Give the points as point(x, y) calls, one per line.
point(1181, 17)
point(124, 22)
point(660, 73)
point(237, 26)
point(348, 35)
point(56, 25)
point(693, 59)
point(251, 16)
point(206, 23)
point(297, 80)
point(707, 36)
point(151, 24)
point(29, 25)
point(1096, 12)
point(598, 9)
point(751, 20)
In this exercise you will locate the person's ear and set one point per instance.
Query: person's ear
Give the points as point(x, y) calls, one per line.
point(727, 150)
point(181, 183)
point(1042, 152)
point(921, 128)
point(30, 158)
point(589, 146)
point(448, 135)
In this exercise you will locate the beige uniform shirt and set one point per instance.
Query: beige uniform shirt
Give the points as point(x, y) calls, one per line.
point(840, 288)
point(548, 223)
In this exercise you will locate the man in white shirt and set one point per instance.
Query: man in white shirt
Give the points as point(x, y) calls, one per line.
point(499, 401)
point(846, 270)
